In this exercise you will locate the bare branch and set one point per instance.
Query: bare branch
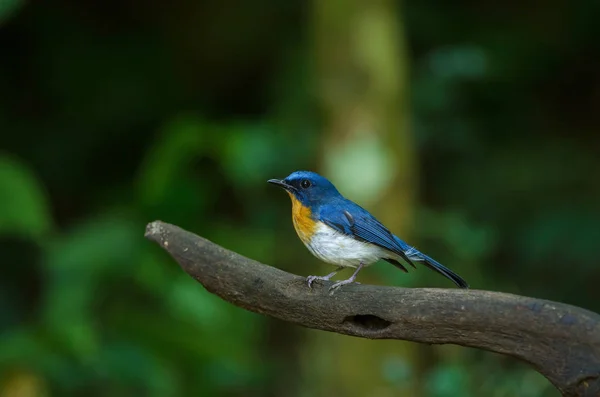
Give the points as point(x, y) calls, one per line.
point(560, 341)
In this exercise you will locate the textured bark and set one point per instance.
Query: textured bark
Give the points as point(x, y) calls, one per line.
point(560, 341)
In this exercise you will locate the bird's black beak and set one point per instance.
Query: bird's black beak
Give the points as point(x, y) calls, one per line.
point(282, 184)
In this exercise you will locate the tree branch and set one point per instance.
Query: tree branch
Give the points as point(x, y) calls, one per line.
point(560, 341)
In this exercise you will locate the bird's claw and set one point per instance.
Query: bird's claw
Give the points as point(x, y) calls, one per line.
point(312, 279)
point(337, 285)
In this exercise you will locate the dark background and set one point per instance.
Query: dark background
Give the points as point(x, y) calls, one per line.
point(470, 128)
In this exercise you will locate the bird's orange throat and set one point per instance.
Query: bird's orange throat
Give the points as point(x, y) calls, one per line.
point(303, 223)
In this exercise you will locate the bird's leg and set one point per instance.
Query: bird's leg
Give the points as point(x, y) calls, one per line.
point(311, 279)
point(349, 281)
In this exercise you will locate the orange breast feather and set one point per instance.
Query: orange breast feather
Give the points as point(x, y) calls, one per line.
point(303, 223)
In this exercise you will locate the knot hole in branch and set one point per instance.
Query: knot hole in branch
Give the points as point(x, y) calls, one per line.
point(367, 322)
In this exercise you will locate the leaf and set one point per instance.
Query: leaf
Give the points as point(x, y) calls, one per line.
point(136, 368)
point(8, 8)
point(251, 152)
point(181, 141)
point(75, 268)
point(564, 235)
point(448, 380)
point(23, 203)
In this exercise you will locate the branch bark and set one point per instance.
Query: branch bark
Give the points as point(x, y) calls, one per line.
point(560, 341)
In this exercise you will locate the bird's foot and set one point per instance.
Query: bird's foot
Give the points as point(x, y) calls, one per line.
point(311, 279)
point(337, 285)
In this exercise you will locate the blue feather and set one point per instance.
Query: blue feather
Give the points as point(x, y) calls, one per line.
point(351, 219)
point(327, 205)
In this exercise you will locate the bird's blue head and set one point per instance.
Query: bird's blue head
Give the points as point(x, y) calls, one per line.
point(309, 188)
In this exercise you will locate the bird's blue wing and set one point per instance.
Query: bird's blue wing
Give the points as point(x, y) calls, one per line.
point(351, 219)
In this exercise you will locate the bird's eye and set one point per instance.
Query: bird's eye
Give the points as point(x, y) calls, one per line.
point(305, 184)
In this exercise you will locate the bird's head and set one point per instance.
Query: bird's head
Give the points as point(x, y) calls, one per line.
point(309, 188)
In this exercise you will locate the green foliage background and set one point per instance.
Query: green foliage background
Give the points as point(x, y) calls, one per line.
point(114, 114)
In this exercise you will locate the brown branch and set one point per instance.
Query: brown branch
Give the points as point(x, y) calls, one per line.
point(560, 341)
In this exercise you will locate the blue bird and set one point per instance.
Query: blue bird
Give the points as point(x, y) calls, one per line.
point(339, 231)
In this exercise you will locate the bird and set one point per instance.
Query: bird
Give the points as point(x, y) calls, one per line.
point(340, 232)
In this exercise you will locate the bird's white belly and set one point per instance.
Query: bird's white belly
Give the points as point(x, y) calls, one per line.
point(334, 247)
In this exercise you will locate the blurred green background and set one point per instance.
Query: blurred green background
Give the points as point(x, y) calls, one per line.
point(470, 128)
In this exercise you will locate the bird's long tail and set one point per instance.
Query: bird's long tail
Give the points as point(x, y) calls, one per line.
point(415, 255)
